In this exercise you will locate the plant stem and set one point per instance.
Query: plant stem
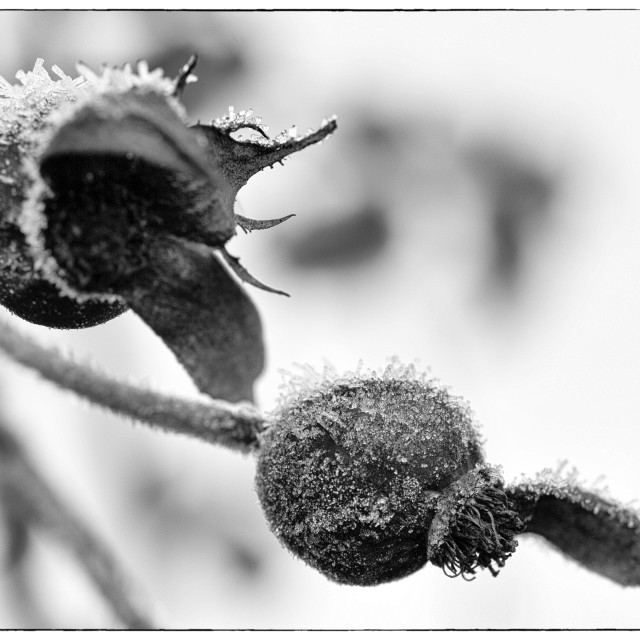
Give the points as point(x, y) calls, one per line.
point(231, 425)
point(29, 497)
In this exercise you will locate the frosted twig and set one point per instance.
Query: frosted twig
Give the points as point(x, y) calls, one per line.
point(231, 425)
point(29, 497)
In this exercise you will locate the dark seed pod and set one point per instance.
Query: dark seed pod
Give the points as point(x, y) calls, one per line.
point(24, 289)
point(369, 478)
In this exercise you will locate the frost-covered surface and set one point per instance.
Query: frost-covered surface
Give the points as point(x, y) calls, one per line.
point(586, 525)
point(31, 110)
point(566, 485)
point(247, 119)
point(351, 467)
point(37, 100)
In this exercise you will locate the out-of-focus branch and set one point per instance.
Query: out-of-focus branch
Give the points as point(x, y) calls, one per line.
point(231, 425)
point(27, 496)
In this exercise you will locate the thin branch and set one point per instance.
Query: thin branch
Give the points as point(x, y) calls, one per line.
point(231, 425)
point(29, 497)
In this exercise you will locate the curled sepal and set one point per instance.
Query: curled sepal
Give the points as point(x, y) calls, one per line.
point(248, 224)
point(595, 531)
point(244, 275)
point(475, 525)
point(239, 160)
point(187, 297)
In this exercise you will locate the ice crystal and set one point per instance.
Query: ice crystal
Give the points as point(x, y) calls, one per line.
point(585, 524)
point(25, 106)
point(246, 119)
point(565, 484)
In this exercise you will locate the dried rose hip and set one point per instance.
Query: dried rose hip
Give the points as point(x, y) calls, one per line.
point(367, 479)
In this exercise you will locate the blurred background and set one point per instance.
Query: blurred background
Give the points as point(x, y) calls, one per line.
point(478, 210)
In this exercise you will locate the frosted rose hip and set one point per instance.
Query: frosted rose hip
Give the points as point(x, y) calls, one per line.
point(351, 475)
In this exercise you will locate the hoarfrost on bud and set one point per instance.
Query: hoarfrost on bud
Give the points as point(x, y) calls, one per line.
point(24, 107)
point(247, 119)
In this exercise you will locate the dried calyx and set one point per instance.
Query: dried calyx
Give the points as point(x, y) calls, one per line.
point(475, 525)
point(123, 204)
point(367, 478)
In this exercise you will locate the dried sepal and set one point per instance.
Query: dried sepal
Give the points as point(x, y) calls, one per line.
point(247, 224)
point(186, 296)
point(585, 525)
point(239, 160)
point(244, 275)
point(475, 525)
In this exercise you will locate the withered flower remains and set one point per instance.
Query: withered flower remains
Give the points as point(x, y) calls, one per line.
point(110, 200)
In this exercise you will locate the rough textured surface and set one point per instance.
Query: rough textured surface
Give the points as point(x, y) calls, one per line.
point(350, 471)
point(114, 173)
point(130, 156)
point(585, 525)
point(475, 525)
point(24, 290)
point(186, 296)
point(239, 160)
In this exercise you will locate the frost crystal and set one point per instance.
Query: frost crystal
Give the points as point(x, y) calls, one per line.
point(585, 525)
point(566, 485)
point(246, 119)
point(25, 106)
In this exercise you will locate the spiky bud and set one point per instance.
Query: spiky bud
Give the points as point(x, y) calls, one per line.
point(367, 478)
